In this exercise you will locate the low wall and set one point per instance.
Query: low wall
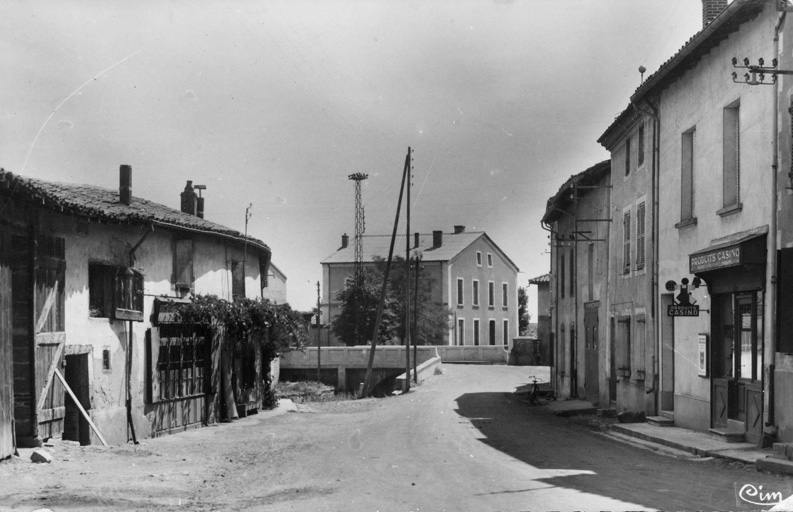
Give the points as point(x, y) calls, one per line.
point(492, 354)
point(387, 356)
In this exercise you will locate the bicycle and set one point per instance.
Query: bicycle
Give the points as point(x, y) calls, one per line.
point(534, 393)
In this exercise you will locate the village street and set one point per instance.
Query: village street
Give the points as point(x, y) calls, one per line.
point(461, 441)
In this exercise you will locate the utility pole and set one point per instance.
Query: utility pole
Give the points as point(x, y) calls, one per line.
point(319, 343)
point(407, 277)
point(415, 316)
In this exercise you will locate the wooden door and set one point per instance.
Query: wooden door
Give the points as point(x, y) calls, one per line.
point(50, 336)
point(591, 347)
point(6, 349)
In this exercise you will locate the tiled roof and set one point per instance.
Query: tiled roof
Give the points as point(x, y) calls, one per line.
point(563, 197)
point(545, 278)
point(103, 205)
point(378, 246)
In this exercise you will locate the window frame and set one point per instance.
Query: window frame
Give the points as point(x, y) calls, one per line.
point(476, 333)
point(687, 175)
point(505, 295)
point(626, 241)
point(731, 164)
point(460, 292)
point(114, 292)
point(640, 157)
point(183, 286)
point(490, 260)
point(478, 258)
point(461, 331)
point(491, 294)
point(641, 235)
point(475, 293)
point(627, 156)
point(505, 334)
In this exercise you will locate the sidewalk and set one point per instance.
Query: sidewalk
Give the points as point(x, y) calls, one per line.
point(696, 443)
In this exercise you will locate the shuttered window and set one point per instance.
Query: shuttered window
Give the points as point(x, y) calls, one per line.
point(640, 230)
point(626, 243)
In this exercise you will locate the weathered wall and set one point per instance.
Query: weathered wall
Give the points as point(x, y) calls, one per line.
point(697, 101)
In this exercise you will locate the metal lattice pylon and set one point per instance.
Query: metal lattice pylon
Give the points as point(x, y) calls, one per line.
point(360, 227)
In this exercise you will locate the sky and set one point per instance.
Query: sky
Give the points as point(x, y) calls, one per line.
point(272, 104)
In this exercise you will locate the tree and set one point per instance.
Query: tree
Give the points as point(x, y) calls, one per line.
point(355, 322)
point(523, 314)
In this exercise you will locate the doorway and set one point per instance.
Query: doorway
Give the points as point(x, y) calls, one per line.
point(591, 351)
point(75, 426)
point(737, 363)
point(667, 355)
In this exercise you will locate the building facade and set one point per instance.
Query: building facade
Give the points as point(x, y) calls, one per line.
point(579, 221)
point(90, 271)
point(470, 276)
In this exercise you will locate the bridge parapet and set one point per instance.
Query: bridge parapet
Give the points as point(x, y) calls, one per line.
point(387, 356)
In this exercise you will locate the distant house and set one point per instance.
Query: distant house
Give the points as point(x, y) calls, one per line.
point(84, 272)
point(471, 276)
point(274, 285)
point(543, 325)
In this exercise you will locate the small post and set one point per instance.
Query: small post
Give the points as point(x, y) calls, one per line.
point(319, 342)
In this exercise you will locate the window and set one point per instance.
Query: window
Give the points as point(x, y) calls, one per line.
point(640, 230)
point(687, 177)
point(115, 292)
point(461, 331)
point(491, 294)
point(489, 260)
point(492, 332)
point(623, 348)
point(475, 298)
point(505, 295)
point(183, 266)
point(627, 156)
point(561, 275)
point(626, 242)
point(505, 334)
point(180, 361)
point(640, 157)
point(732, 156)
point(106, 359)
point(590, 264)
point(237, 280)
point(479, 258)
point(476, 331)
point(460, 293)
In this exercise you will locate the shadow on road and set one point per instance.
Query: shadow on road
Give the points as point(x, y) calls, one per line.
point(575, 457)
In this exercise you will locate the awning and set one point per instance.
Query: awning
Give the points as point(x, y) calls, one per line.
point(744, 248)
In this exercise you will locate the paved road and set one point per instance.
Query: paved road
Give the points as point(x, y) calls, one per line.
point(461, 442)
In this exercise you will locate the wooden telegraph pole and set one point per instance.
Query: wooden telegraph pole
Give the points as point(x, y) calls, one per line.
point(406, 387)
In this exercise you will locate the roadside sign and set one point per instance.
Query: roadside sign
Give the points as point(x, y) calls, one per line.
point(680, 310)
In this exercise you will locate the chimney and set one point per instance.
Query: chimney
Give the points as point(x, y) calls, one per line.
point(416, 239)
point(199, 210)
point(345, 241)
point(125, 185)
point(458, 229)
point(437, 238)
point(711, 9)
point(189, 199)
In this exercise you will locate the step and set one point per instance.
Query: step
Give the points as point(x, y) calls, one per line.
point(729, 436)
point(660, 421)
point(783, 451)
point(668, 414)
point(607, 413)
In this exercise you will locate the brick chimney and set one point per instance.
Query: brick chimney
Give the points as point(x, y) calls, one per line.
point(415, 239)
point(189, 202)
point(125, 185)
point(458, 229)
point(345, 241)
point(437, 238)
point(199, 208)
point(711, 9)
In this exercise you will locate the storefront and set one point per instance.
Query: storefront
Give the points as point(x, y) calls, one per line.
point(735, 274)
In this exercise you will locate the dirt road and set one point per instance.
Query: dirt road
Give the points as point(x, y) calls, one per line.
point(460, 442)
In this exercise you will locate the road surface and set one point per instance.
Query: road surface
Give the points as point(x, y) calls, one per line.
point(460, 442)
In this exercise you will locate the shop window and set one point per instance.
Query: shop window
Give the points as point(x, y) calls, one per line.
point(180, 362)
point(687, 177)
point(115, 292)
point(732, 155)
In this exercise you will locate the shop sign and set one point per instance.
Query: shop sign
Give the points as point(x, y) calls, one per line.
point(682, 310)
point(718, 258)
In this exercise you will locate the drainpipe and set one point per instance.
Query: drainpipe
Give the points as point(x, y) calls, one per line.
point(772, 245)
point(555, 306)
point(654, 194)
